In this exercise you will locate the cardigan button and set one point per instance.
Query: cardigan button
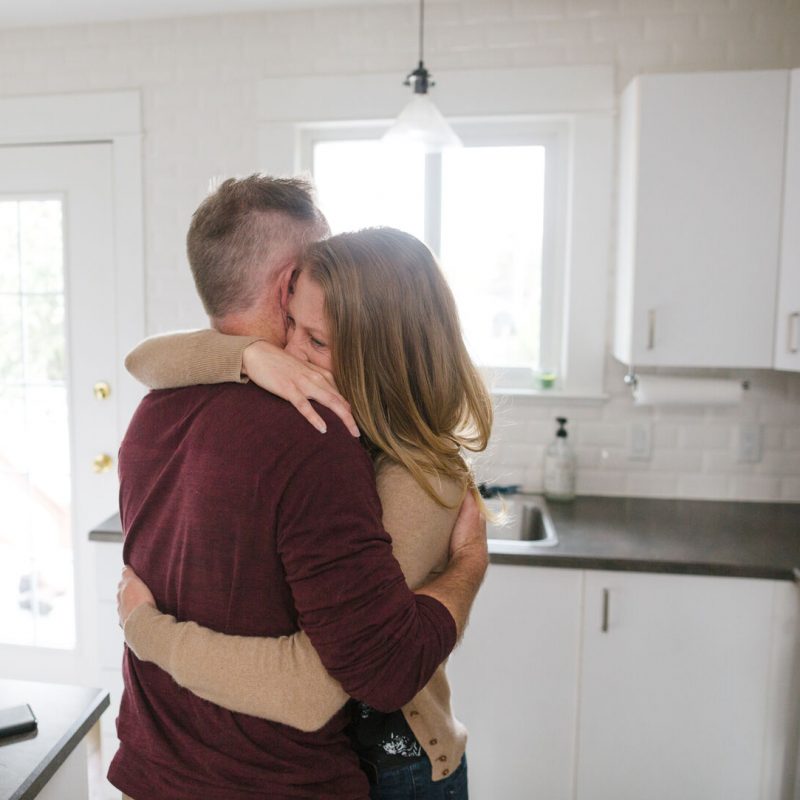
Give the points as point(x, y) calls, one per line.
point(442, 758)
point(434, 741)
point(445, 772)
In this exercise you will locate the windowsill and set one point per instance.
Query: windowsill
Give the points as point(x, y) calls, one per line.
point(552, 394)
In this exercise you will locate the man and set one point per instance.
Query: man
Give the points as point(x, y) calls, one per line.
point(241, 517)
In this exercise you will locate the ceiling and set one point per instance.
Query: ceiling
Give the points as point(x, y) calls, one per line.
point(38, 13)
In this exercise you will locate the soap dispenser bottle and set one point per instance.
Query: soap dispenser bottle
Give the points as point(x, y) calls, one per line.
point(559, 466)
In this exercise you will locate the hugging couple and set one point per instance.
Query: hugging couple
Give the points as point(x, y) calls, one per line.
point(293, 590)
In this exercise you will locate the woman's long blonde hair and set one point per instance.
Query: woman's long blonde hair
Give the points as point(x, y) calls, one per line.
point(398, 354)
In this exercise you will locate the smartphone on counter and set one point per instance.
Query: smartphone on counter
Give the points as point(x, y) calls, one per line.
point(16, 720)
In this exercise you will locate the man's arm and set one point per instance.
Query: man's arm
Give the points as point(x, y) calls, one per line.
point(381, 641)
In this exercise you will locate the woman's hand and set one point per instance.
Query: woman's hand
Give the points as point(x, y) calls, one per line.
point(132, 592)
point(296, 381)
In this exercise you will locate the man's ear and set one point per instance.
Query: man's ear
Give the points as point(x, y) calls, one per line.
point(285, 284)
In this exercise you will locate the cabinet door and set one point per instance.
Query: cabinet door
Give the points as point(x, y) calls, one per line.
point(700, 221)
point(514, 680)
point(787, 321)
point(674, 685)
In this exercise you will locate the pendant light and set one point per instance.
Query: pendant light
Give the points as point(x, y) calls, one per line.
point(420, 122)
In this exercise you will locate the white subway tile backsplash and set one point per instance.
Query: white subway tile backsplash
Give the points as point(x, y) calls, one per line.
point(791, 438)
point(755, 487)
point(790, 490)
point(565, 30)
point(651, 484)
point(699, 56)
point(786, 463)
point(670, 28)
point(513, 34)
point(618, 29)
point(677, 461)
point(728, 26)
point(706, 436)
point(604, 483)
point(665, 435)
point(699, 486)
point(604, 434)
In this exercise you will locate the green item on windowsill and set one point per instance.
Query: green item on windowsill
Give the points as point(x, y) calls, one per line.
point(547, 379)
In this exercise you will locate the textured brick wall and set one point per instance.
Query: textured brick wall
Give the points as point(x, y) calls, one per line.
point(198, 79)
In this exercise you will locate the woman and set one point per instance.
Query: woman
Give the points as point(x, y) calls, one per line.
point(374, 308)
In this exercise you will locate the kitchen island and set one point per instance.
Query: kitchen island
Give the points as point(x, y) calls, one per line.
point(49, 763)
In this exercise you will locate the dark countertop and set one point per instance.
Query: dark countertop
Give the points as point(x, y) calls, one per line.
point(65, 715)
point(695, 537)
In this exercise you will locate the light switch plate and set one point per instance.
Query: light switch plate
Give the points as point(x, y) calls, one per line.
point(749, 443)
point(640, 441)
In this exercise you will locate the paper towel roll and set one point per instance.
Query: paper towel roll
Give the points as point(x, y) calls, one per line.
point(657, 390)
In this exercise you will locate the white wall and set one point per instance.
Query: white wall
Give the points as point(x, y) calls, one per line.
point(198, 79)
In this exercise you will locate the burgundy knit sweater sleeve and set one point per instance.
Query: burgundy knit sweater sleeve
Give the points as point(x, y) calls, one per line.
point(377, 638)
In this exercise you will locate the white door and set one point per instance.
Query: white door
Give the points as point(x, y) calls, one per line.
point(787, 322)
point(515, 683)
point(57, 340)
point(674, 683)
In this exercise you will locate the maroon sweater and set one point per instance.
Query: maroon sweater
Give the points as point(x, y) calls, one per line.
point(242, 517)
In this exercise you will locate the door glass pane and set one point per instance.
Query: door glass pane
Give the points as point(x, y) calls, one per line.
point(36, 558)
point(362, 183)
point(491, 248)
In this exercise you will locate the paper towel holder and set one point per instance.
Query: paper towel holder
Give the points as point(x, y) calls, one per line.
point(631, 379)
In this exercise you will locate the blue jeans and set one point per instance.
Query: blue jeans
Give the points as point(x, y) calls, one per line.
point(415, 783)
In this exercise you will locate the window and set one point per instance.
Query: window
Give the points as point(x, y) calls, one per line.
point(559, 119)
point(492, 212)
point(35, 541)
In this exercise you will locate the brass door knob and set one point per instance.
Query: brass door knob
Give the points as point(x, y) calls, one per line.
point(101, 390)
point(102, 463)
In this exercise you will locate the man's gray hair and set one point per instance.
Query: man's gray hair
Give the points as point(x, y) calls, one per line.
point(240, 229)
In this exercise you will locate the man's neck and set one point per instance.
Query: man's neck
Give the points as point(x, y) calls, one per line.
point(248, 324)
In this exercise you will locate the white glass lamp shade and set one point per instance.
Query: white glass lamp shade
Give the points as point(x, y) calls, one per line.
point(421, 123)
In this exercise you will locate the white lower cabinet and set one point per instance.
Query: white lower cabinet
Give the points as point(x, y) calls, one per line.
point(611, 685)
point(515, 683)
point(674, 680)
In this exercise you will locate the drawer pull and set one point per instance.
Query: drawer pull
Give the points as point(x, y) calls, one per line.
point(606, 604)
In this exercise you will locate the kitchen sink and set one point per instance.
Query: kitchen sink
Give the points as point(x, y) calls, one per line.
point(523, 519)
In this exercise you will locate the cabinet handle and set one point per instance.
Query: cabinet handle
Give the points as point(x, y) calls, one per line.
point(606, 603)
point(651, 329)
point(792, 337)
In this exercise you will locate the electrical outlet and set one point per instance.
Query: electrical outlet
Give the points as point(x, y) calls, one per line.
point(749, 443)
point(640, 445)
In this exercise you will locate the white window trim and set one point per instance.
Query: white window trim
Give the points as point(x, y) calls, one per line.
point(583, 97)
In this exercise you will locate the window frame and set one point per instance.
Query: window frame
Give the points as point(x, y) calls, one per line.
point(583, 98)
point(553, 135)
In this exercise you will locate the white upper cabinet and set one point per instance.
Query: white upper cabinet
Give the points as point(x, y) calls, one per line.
point(787, 319)
point(701, 177)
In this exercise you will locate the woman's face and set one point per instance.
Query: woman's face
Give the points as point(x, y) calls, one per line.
point(307, 336)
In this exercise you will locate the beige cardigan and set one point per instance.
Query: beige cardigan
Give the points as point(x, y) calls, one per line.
point(282, 679)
